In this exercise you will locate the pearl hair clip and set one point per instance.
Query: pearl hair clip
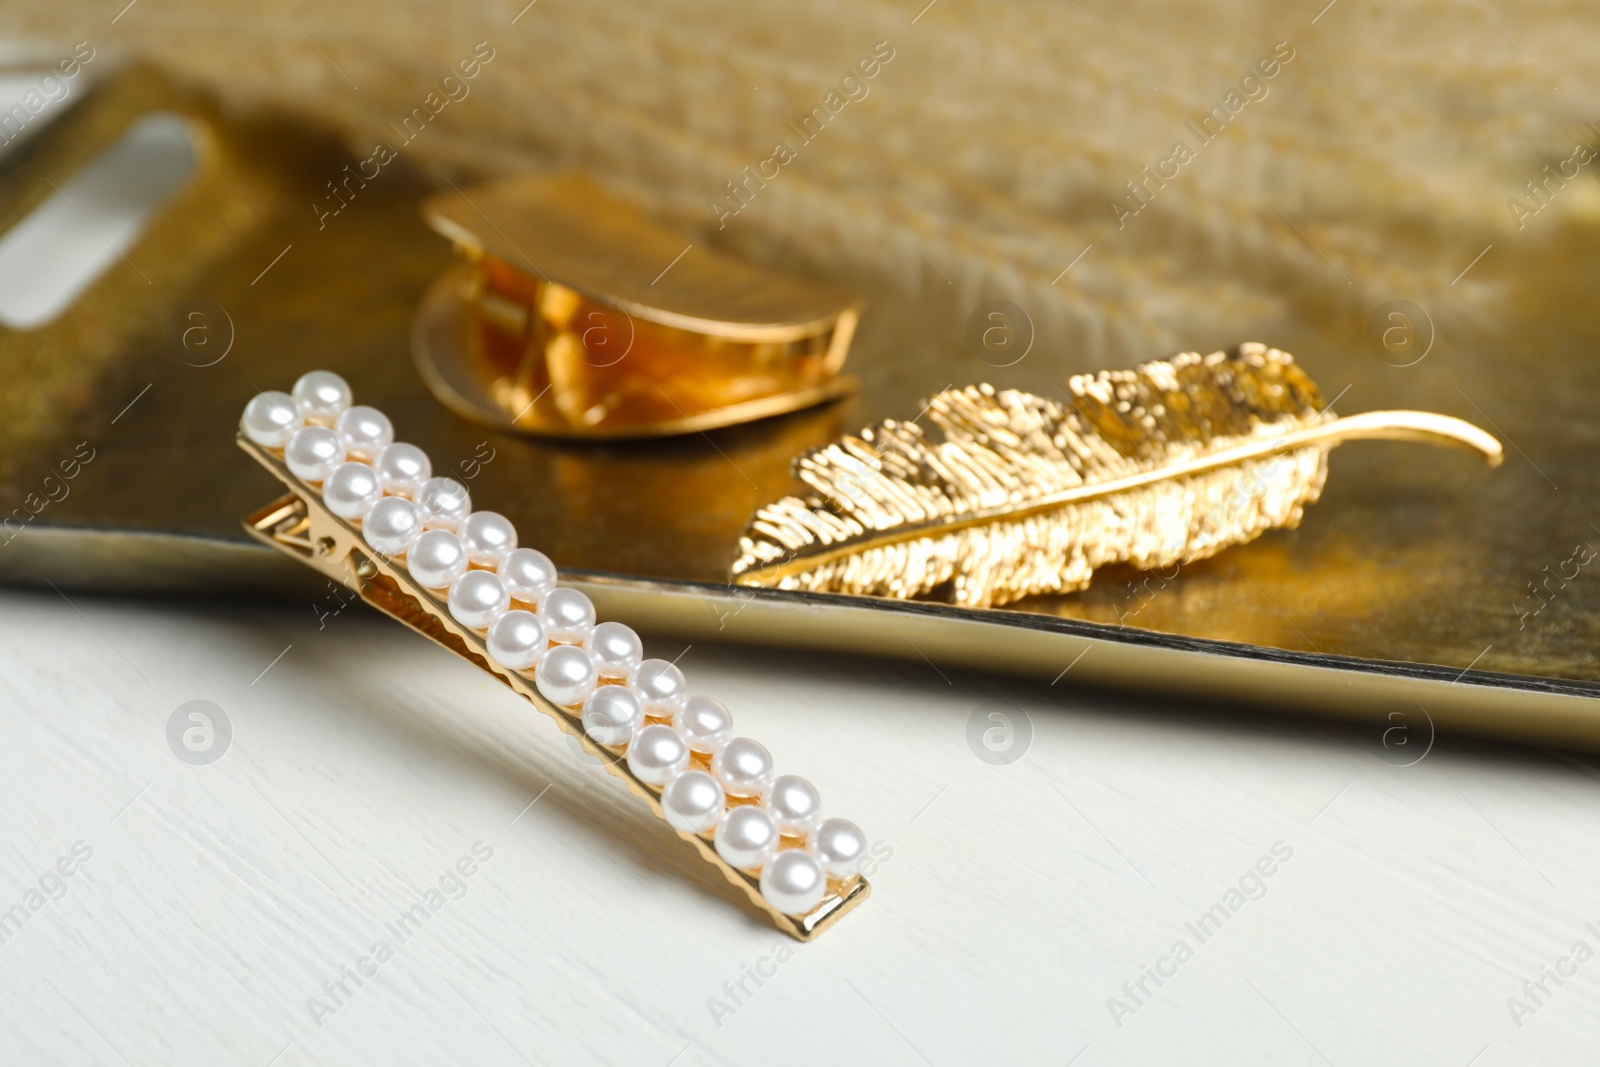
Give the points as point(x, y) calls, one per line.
point(367, 512)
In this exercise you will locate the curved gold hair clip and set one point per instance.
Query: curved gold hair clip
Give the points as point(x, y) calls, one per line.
point(1164, 464)
point(573, 315)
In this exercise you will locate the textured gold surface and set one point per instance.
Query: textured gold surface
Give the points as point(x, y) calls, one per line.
point(1378, 167)
point(1157, 467)
point(1421, 576)
point(300, 527)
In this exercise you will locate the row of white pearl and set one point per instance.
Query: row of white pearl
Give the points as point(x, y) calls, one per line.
point(639, 707)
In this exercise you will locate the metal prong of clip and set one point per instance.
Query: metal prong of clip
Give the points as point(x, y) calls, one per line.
point(301, 525)
point(573, 315)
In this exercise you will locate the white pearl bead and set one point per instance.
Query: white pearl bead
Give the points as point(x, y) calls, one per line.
point(364, 432)
point(692, 802)
point(402, 469)
point(793, 882)
point(444, 503)
point(269, 419)
point(707, 723)
point(566, 675)
point(529, 574)
point(617, 650)
point(517, 640)
point(313, 452)
point(840, 845)
point(436, 559)
point(794, 803)
point(477, 598)
point(656, 754)
point(351, 489)
point(611, 715)
point(746, 837)
point(660, 687)
point(488, 536)
point(321, 396)
point(390, 526)
point(744, 767)
point(567, 615)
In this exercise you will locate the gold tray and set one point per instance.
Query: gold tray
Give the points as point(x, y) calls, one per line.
point(1401, 589)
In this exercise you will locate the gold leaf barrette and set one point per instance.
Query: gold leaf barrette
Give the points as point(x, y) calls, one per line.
point(366, 511)
point(1165, 464)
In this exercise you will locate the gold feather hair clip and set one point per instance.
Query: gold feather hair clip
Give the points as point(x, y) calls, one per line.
point(367, 512)
point(1168, 463)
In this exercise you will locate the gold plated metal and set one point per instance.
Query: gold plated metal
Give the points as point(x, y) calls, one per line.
point(1409, 584)
point(571, 314)
point(298, 525)
point(1159, 466)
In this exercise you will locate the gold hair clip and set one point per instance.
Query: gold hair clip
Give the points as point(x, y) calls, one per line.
point(1165, 464)
point(367, 512)
point(573, 315)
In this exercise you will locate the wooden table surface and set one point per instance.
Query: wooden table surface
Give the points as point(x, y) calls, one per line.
point(229, 912)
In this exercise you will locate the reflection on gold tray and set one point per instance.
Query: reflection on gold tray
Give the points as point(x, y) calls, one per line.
point(1428, 583)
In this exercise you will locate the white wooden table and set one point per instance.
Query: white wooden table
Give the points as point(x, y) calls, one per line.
point(209, 904)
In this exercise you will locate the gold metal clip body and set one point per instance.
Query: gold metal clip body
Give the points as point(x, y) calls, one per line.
point(573, 315)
